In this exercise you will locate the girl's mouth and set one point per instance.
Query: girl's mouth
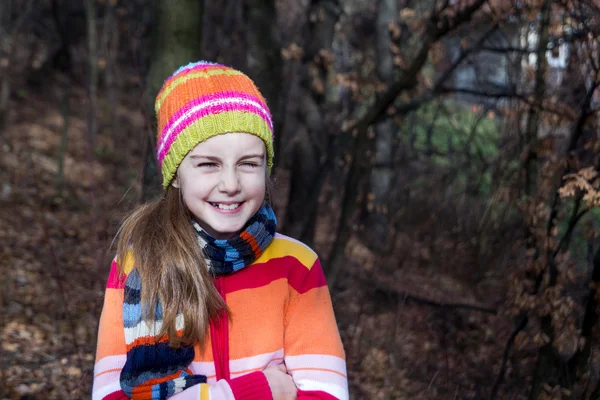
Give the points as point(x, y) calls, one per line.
point(226, 207)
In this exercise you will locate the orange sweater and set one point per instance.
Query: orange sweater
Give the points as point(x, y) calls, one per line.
point(281, 312)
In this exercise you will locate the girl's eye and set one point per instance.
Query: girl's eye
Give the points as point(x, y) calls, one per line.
point(250, 164)
point(207, 165)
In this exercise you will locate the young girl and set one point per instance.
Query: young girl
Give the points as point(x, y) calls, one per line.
point(204, 299)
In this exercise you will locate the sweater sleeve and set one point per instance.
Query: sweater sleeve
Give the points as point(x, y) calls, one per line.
point(111, 356)
point(314, 354)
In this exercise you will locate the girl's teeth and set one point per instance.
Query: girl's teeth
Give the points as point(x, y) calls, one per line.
point(227, 206)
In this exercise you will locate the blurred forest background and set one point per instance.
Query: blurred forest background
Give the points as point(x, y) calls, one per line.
point(441, 156)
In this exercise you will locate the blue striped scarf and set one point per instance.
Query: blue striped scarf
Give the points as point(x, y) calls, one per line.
point(225, 256)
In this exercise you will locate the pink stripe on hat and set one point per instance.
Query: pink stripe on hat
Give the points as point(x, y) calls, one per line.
point(210, 98)
point(203, 112)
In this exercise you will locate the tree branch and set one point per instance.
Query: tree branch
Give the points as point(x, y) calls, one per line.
point(575, 217)
point(438, 87)
point(575, 135)
point(409, 297)
point(474, 92)
point(382, 286)
point(408, 79)
point(358, 164)
point(505, 50)
point(464, 54)
point(505, 94)
point(444, 5)
point(442, 27)
point(509, 343)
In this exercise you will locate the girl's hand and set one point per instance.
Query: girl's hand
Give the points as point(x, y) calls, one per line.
point(282, 385)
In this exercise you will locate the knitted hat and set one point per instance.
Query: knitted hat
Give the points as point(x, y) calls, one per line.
point(201, 100)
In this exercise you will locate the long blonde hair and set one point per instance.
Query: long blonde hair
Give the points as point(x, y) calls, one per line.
point(172, 268)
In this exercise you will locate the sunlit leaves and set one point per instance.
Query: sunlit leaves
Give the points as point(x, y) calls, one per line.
point(585, 180)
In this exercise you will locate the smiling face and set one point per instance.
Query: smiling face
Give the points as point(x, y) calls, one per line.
point(223, 182)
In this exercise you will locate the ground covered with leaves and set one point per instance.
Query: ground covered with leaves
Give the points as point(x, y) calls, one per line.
point(404, 336)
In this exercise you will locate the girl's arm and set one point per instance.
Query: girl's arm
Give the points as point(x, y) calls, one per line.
point(314, 354)
point(111, 356)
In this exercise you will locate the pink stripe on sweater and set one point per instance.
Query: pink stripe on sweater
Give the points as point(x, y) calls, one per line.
point(115, 279)
point(211, 110)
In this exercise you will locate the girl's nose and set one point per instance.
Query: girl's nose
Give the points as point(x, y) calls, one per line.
point(230, 182)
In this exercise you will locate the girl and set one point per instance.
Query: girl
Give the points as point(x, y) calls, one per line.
point(204, 300)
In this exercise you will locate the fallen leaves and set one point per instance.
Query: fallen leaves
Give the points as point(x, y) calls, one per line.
point(52, 248)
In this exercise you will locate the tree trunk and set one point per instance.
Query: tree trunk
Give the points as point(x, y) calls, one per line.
point(65, 112)
point(176, 42)
point(581, 359)
point(310, 144)
point(533, 117)
point(4, 71)
point(110, 48)
point(92, 36)
point(381, 174)
point(264, 62)
point(550, 369)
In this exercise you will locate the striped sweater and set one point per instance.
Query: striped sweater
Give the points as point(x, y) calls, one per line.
point(281, 312)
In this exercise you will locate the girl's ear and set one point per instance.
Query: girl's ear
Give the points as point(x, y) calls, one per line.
point(175, 182)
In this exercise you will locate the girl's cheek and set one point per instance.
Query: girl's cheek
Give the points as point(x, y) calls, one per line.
point(258, 182)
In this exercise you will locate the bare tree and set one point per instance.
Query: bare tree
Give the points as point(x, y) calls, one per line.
point(263, 54)
point(533, 117)
point(382, 172)
point(177, 41)
point(13, 15)
point(436, 26)
point(311, 136)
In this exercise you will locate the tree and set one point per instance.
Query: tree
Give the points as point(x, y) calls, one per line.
point(177, 39)
point(429, 30)
point(263, 54)
point(311, 137)
point(382, 172)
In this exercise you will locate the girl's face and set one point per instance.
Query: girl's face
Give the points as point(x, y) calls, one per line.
point(223, 182)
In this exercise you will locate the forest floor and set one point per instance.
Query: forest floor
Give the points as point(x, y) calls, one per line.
point(55, 250)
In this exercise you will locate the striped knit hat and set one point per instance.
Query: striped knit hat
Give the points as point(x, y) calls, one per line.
point(201, 100)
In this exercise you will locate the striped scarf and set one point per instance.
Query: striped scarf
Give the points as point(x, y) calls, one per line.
point(224, 256)
point(154, 370)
